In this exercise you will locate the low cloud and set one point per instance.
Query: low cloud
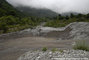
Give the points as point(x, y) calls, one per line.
point(59, 6)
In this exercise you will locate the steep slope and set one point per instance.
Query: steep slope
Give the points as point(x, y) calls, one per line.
point(7, 9)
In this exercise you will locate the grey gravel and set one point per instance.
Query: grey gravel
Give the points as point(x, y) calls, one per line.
point(57, 55)
point(73, 31)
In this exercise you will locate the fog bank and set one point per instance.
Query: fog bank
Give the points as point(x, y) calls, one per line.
point(59, 6)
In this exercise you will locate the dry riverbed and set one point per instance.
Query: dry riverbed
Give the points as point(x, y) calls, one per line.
point(13, 45)
point(13, 48)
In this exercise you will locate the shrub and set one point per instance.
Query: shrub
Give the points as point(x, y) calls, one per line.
point(44, 49)
point(81, 45)
point(61, 50)
point(54, 49)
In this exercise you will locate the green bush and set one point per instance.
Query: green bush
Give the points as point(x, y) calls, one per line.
point(56, 23)
point(13, 24)
point(61, 51)
point(44, 49)
point(81, 45)
point(54, 49)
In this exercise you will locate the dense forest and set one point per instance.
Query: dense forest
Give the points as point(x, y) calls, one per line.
point(36, 12)
point(12, 20)
point(61, 21)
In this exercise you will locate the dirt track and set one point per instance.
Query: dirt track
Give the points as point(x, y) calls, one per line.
point(12, 49)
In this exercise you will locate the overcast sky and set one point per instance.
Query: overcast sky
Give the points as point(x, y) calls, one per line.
point(59, 6)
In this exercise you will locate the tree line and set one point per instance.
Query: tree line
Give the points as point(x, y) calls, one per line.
point(61, 21)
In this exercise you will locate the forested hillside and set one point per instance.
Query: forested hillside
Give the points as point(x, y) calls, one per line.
point(13, 20)
point(7, 9)
point(36, 12)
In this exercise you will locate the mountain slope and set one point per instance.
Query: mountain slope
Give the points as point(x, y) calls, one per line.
point(37, 12)
point(7, 9)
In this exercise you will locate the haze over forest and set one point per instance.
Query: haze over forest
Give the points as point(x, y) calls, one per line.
point(59, 6)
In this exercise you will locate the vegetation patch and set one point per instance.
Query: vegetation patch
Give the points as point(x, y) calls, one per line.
point(62, 21)
point(81, 45)
point(61, 51)
point(54, 49)
point(44, 49)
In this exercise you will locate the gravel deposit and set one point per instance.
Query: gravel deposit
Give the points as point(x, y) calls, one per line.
point(73, 31)
point(57, 55)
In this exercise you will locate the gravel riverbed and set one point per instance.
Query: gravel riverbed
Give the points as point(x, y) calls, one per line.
point(57, 55)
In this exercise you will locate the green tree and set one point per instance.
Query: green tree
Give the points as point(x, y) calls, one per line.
point(9, 20)
point(67, 17)
point(72, 15)
point(3, 27)
point(79, 15)
point(87, 16)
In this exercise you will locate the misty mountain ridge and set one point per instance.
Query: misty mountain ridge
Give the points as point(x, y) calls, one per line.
point(37, 12)
point(41, 12)
point(69, 13)
point(29, 11)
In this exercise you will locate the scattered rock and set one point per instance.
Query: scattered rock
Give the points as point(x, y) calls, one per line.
point(57, 55)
